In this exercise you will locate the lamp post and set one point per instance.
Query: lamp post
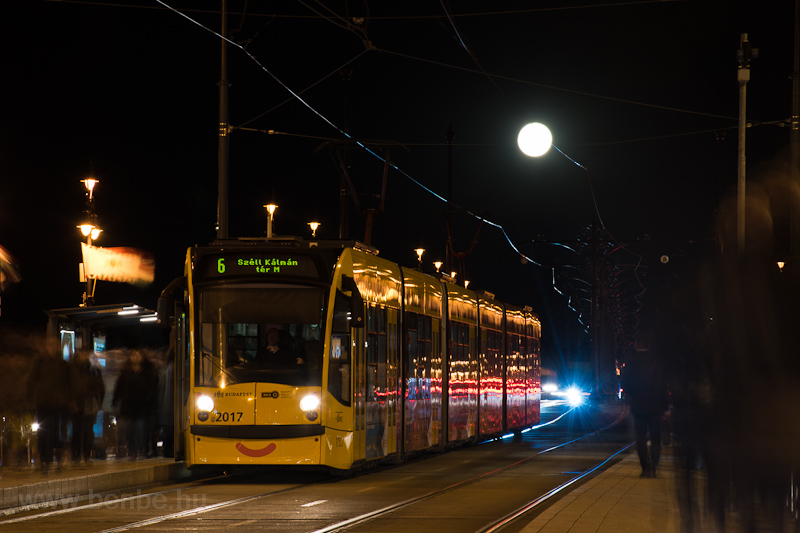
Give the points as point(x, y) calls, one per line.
point(270, 214)
point(89, 230)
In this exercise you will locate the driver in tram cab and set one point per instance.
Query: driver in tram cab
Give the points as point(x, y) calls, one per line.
point(278, 352)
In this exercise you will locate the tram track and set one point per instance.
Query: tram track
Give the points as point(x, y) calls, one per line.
point(489, 528)
point(496, 525)
point(111, 499)
point(304, 492)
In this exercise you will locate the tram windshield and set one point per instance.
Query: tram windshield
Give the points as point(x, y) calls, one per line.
point(256, 333)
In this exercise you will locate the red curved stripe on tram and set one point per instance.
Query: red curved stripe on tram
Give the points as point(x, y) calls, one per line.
point(256, 453)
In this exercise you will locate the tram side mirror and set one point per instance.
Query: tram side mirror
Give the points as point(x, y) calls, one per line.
point(163, 310)
point(166, 302)
point(356, 302)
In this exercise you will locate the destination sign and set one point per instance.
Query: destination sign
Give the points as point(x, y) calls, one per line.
point(256, 264)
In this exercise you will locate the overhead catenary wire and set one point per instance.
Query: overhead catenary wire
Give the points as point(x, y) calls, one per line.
point(388, 17)
point(447, 65)
point(367, 149)
point(347, 135)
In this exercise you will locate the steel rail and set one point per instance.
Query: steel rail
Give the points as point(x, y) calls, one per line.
point(366, 517)
point(502, 522)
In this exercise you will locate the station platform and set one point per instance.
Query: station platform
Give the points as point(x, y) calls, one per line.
point(29, 488)
point(618, 500)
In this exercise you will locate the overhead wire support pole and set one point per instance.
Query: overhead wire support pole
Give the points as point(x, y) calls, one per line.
point(344, 183)
point(794, 140)
point(448, 254)
point(745, 53)
point(223, 148)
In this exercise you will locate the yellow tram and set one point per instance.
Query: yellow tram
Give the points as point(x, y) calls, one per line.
point(294, 352)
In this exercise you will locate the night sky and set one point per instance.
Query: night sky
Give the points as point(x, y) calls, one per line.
point(637, 95)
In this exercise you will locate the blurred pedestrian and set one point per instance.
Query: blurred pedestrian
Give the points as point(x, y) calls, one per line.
point(48, 395)
point(135, 395)
point(166, 410)
point(645, 386)
point(88, 391)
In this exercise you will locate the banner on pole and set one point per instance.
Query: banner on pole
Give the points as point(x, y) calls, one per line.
point(123, 265)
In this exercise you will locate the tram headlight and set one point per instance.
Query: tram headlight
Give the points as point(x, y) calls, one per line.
point(205, 403)
point(309, 403)
point(574, 396)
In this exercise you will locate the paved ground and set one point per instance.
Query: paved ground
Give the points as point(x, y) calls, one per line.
point(620, 500)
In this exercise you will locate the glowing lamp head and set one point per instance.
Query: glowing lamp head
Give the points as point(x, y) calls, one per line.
point(86, 229)
point(438, 265)
point(419, 252)
point(271, 209)
point(313, 226)
point(534, 139)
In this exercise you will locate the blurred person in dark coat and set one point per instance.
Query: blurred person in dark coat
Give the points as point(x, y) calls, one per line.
point(88, 391)
point(645, 384)
point(135, 397)
point(48, 396)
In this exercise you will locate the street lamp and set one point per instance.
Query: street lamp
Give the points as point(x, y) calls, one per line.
point(419, 252)
point(534, 139)
point(89, 230)
point(314, 226)
point(90, 183)
point(270, 213)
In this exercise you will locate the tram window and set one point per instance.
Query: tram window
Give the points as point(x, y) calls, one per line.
point(255, 305)
point(339, 357)
point(341, 314)
point(376, 351)
point(233, 326)
point(419, 351)
point(413, 384)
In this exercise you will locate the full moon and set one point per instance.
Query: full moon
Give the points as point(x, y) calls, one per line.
point(534, 139)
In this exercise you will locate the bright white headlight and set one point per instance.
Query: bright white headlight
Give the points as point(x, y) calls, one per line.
point(205, 403)
point(574, 396)
point(549, 387)
point(309, 403)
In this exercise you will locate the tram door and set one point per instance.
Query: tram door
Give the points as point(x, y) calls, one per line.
point(381, 381)
point(181, 381)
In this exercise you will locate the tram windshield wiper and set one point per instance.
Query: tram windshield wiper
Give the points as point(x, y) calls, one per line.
point(217, 368)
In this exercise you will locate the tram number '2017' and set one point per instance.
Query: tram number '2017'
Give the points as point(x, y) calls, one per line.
point(229, 417)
